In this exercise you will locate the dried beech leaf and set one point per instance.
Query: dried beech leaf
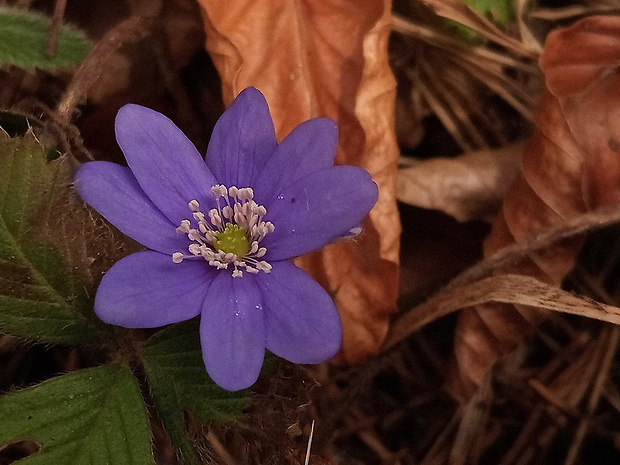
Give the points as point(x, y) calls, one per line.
point(468, 187)
point(570, 165)
point(586, 85)
point(316, 58)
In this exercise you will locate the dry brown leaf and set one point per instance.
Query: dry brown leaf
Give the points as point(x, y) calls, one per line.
point(571, 164)
point(469, 187)
point(327, 58)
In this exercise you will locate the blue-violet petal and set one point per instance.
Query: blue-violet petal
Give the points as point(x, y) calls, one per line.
point(302, 324)
point(113, 191)
point(165, 163)
point(242, 140)
point(232, 331)
point(317, 209)
point(309, 147)
point(148, 290)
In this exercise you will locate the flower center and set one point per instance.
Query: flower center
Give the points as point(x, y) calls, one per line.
point(232, 240)
point(228, 235)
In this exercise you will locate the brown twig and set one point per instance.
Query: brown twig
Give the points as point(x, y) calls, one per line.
point(93, 66)
point(52, 39)
point(611, 345)
point(421, 315)
point(511, 289)
point(538, 242)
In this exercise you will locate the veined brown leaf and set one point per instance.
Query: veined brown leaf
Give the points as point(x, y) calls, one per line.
point(571, 165)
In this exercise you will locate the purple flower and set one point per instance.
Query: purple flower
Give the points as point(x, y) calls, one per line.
point(221, 232)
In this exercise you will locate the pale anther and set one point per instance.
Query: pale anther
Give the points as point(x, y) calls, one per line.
point(194, 205)
point(229, 234)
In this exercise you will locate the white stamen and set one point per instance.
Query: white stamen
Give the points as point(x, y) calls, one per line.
point(263, 266)
point(239, 209)
point(215, 217)
point(219, 191)
point(194, 205)
point(247, 193)
point(183, 227)
point(254, 248)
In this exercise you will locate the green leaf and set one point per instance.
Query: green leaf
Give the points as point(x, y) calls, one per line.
point(93, 416)
point(24, 38)
point(499, 11)
point(178, 381)
point(39, 298)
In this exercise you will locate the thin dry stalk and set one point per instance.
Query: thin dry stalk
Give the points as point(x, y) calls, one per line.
point(610, 343)
point(444, 114)
point(475, 416)
point(572, 12)
point(219, 449)
point(52, 39)
point(525, 438)
point(439, 450)
point(461, 13)
point(454, 103)
point(445, 42)
point(510, 289)
point(538, 242)
point(87, 74)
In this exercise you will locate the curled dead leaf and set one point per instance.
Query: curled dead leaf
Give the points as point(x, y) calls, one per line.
point(327, 58)
point(469, 187)
point(571, 164)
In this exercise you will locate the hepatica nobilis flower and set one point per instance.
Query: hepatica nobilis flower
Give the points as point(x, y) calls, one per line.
point(221, 232)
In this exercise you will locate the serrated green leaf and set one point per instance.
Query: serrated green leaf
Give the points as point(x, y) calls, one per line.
point(178, 380)
point(39, 298)
point(24, 37)
point(93, 416)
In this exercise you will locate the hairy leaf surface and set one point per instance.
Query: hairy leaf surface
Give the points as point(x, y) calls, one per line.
point(24, 38)
point(93, 416)
point(39, 298)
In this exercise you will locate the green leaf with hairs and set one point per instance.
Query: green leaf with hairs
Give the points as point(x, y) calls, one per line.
point(93, 416)
point(39, 298)
point(23, 39)
point(179, 382)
